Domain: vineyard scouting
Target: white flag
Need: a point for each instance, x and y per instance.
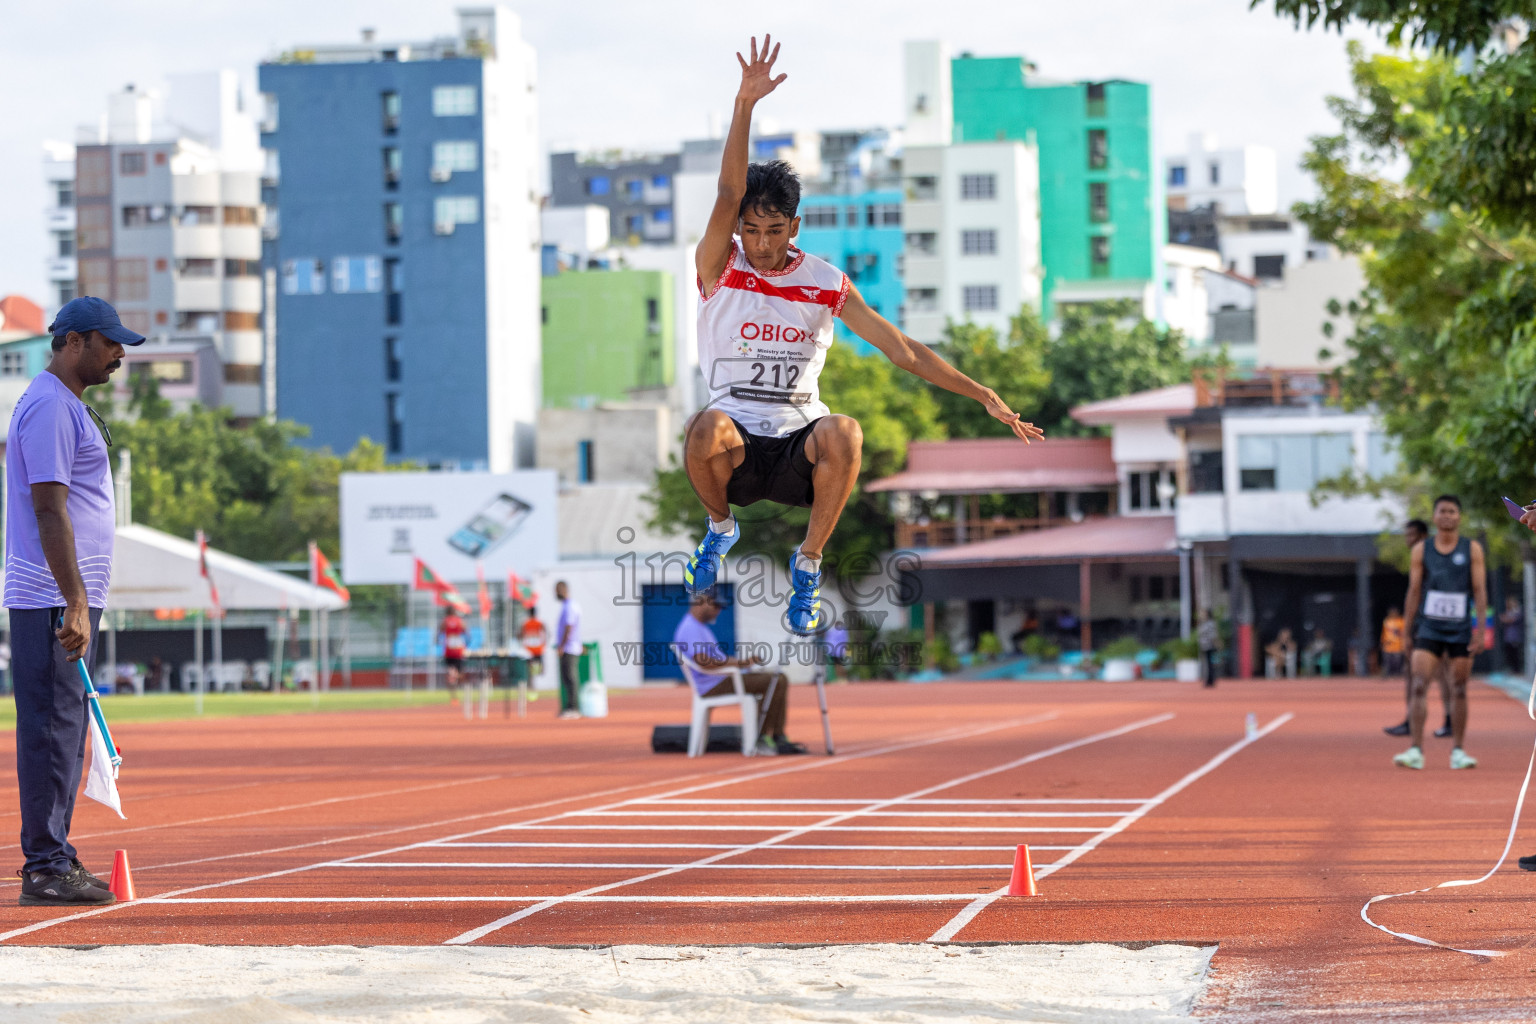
(101, 782)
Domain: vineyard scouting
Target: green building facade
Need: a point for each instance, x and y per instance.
(1099, 196)
(607, 333)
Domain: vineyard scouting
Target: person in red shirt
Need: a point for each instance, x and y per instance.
(453, 634)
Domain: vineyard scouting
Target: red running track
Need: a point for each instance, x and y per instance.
(1152, 817)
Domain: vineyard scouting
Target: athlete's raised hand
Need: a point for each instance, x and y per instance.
(1022, 429)
(757, 78)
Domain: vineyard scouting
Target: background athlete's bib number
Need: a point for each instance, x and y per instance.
(1439, 604)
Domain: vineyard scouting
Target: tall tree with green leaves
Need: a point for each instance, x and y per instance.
(1105, 350)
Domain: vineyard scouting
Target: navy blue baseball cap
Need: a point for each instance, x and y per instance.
(88, 313)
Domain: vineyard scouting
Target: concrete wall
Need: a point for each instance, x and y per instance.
(629, 442)
(1288, 321)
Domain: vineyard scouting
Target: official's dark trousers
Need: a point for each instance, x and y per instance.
(570, 668)
(51, 728)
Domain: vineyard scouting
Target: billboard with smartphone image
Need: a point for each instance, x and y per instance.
(505, 521)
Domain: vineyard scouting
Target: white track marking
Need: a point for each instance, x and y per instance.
(967, 915)
(715, 846)
(645, 802)
(735, 776)
(894, 898)
(1009, 829)
(701, 867)
(487, 929)
(713, 815)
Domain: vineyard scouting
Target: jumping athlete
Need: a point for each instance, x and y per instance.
(1447, 570)
(765, 324)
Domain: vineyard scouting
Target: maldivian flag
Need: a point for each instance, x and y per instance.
(521, 590)
(445, 594)
(202, 566)
(482, 592)
(323, 574)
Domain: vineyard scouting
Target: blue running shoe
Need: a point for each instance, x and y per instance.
(804, 615)
(702, 569)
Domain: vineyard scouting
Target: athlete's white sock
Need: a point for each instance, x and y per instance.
(804, 564)
(726, 526)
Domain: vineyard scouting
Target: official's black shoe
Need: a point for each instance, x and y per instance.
(1444, 730)
(787, 746)
(1528, 863)
(1400, 729)
(77, 867)
(39, 888)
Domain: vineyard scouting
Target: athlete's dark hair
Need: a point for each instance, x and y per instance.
(1450, 498)
(773, 187)
(1418, 524)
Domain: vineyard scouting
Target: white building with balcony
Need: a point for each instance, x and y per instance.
(157, 208)
(972, 221)
(1234, 180)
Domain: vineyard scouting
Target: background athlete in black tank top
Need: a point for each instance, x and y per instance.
(1447, 575)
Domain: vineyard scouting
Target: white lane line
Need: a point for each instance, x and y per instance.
(655, 864)
(818, 898)
(717, 846)
(487, 929)
(734, 776)
(1009, 829)
(715, 815)
(645, 801)
(967, 915)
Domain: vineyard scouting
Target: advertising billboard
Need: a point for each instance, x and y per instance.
(506, 521)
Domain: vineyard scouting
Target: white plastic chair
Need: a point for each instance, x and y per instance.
(698, 731)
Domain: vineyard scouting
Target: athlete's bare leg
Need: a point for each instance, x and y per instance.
(835, 450)
(712, 449)
(1461, 670)
(1424, 667)
(1447, 702)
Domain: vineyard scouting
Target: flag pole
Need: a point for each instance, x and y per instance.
(197, 656)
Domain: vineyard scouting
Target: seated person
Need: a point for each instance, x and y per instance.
(697, 642)
(1320, 648)
(1392, 642)
(1282, 654)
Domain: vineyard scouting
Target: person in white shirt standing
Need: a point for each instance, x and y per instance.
(765, 324)
(568, 645)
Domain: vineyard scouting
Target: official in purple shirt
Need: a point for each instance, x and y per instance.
(59, 527)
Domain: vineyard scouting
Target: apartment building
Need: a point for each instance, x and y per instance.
(404, 176)
(1233, 180)
(158, 209)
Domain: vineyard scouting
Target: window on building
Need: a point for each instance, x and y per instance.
(393, 164)
(143, 216)
(1270, 267)
(456, 210)
(304, 276)
(662, 215)
(394, 279)
(1176, 175)
(197, 321)
(922, 300)
(456, 155)
(818, 217)
(247, 216)
(390, 108)
(652, 314)
(197, 267)
(1334, 455)
(1098, 201)
(1205, 473)
(394, 418)
(392, 359)
(1215, 168)
(67, 292)
(979, 298)
(1291, 462)
(235, 321)
(660, 181)
(64, 193)
(1098, 149)
(394, 221)
(978, 186)
(132, 163)
(13, 364)
(634, 224)
(1098, 253)
(1097, 100)
(356, 274)
(634, 188)
(242, 268)
(598, 185)
(923, 243)
(851, 216)
(1381, 456)
(64, 243)
(131, 280)
(198, 216)
(95, 276)
(584, 467)
(453, 100)
(978, 242)
(923, 188)
(164, 371)
(93, 172)
(882, 215)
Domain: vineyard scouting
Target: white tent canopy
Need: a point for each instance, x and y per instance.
(151, 569)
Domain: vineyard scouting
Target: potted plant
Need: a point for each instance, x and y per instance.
(1184, 654)
(988, 647)
(1119, 658)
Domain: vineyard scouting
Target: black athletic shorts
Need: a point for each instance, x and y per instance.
(774, 469)
(453, 661)
(1443, 648)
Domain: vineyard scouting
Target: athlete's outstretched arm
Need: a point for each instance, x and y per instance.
(915, 357)
(757, 81)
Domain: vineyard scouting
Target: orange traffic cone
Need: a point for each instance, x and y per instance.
(1023, 881)
(121, 882)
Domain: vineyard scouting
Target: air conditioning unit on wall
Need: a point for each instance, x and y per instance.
(441, 174)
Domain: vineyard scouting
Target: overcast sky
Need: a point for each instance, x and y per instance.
(646, 75)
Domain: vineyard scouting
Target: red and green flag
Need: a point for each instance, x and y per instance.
(323, 574)
(444, 593)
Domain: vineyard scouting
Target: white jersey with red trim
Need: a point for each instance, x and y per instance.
(763, 339)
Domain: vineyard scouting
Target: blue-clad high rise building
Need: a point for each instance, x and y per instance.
(403, 242)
